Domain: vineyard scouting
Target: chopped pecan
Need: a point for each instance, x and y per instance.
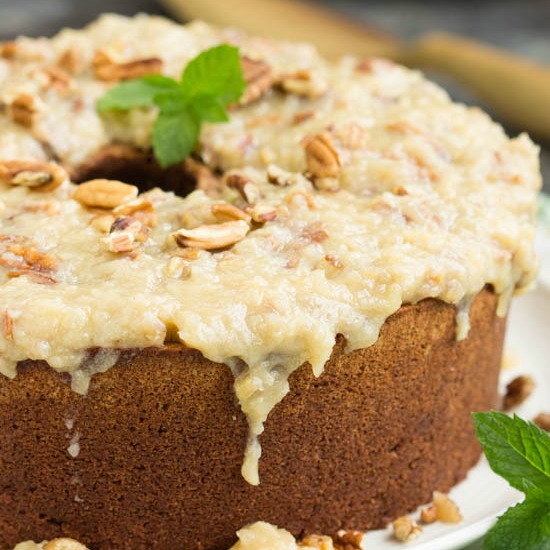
(54, 78)
(8, 50)
(278, 176)
(248, 190)
(298, 118)
(542, 420)
(405, 529)
(102, 193)
(72, 60)
(22, 110)
(446, 509)
(314, 233)
(304, 83)
(316, 542)
(322, 157)
(299, 195)
(259, 78)
(140, 208)
(40, 176)
(125, 231)
(348, 540)
(20, 257)
(262, 212)
(224, 212)
(211, 237)
(517, 391)
(178, 268)
(107, 69)
(102, 222)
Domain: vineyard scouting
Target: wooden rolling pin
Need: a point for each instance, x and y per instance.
(516, 90)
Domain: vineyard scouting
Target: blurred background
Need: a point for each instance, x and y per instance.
(521, 27)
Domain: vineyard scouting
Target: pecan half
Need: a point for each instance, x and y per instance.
(22, 110)
(322, 157)
(107, 69)
(40, 176)
(259, 78)
(542, 420)
(517, 391)
(102, 193)
(211, 237)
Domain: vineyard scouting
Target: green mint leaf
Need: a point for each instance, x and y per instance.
(516, 450)
(140, 92)
(175, 135)
(215, 72)
(526, 526)
(209, 109)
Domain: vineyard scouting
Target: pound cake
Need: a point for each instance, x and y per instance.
(293, 325)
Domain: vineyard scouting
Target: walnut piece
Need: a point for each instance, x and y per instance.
(446, 509)
(259, 78)
(322, 157)
(428, 514)
(316, 542)
(40, 176)
(211, 237)
(102, 193)
(348, 540)
(406, 529)
(107, 69)
(517, 391)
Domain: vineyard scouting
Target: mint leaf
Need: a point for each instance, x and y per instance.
(140, 92)
(526, 526)
(174, 136)
(215, 72)
(209, 83)
(516, 450)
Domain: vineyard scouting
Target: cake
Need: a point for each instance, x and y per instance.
(294, 329)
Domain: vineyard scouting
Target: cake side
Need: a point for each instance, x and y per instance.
(160, 439)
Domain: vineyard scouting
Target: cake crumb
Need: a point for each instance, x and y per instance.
(542, 420)
(406, 529)
(517, 391)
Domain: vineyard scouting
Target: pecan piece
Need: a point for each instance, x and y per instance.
(211, 237)
(517, 391)
(248, 190)
(262, 212)
(125, 231)
(259, 78)
(7, 325)
(542, 420)
(322, 157)
(224, 212)
(103, 193)
(304, 83)
(140, 208)
(41, 176)
(22, 110)
(107, 69)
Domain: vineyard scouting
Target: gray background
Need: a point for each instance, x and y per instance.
(521, 26)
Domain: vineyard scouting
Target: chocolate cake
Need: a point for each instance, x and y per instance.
(294, 330)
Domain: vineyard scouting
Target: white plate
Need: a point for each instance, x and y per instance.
(483, 495)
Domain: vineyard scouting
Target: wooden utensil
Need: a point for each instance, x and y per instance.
(516, 90)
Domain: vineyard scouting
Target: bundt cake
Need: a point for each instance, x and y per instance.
(292, 325)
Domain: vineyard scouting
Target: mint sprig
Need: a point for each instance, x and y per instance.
(208, 84)
(518, 451)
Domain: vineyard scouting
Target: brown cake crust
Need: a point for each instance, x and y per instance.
(162, 438)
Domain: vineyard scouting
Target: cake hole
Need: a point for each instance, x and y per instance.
(138, 167)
